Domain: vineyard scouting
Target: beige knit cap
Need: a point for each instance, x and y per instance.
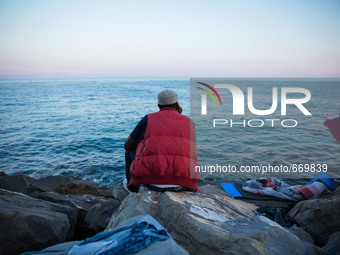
(167, 97)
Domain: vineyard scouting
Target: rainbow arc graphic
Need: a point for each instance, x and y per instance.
(204, 97)
(209, 93)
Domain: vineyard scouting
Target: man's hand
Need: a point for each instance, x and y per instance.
(130, 144)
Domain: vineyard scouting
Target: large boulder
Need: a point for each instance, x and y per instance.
(210, 222)
(28, 223)
(68, 185)
(99, 215)
(94, 212)
(302, 234)
(17, 183)
(332, 246)
(119, 193)
(319, 217)
(59, 184)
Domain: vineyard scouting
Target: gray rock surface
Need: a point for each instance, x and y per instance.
(99, 215)
(319, 217)
(92, 211)
(86, 206)
(31, 224)
(166, 247)
(119, 192)
(332, 246)
(209, 223)
(17, 183)
(206, 222)
(302, 234)
(83, 202)
(59, 184)
(58, 249)
(68, 185)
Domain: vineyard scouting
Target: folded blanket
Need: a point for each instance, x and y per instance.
(311, 190)
(279, 189)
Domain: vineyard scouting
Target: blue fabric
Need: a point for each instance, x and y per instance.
(326, 178)
(124, 240)
(231, 189)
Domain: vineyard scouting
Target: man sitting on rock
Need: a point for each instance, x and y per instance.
(161, 150)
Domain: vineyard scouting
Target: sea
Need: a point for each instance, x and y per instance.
(78, 126)
(75, 127)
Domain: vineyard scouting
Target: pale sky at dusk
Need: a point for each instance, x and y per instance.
(249, 38)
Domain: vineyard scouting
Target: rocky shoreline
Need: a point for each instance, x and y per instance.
(38, 213)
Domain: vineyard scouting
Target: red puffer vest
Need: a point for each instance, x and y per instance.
(168, 151)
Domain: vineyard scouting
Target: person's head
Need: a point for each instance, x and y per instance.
(168, 98)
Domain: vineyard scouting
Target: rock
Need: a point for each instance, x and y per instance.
(53, 197)
(332, 246)
(300, 233)
(213, 205)
(62, 248)
(68, 185)
(99, 215)
(119, 192)
(83, 202)
(213, 189)
(16, 183)
(319, 217)
(28, 223)
(208, 223)
(59, 184)
(166, 247)
(93, 211)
